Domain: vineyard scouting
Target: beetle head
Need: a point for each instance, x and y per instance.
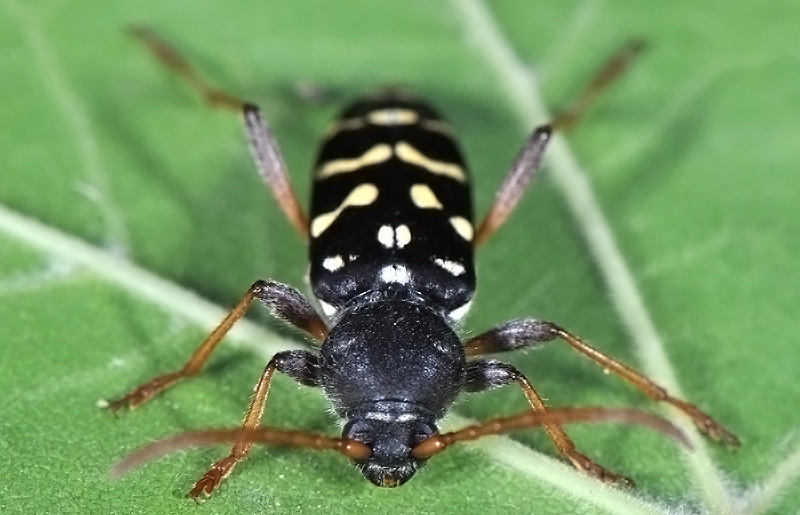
(391, 437)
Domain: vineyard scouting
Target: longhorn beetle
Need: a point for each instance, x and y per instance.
(391, 264)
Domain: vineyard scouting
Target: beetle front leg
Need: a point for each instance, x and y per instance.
(303, 367)
(486, 374)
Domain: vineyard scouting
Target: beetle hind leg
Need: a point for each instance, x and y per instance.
(264, 147)
(528, 163)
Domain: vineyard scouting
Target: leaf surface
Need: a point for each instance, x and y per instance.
(143, 195)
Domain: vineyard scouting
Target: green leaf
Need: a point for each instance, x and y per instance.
(122, 194)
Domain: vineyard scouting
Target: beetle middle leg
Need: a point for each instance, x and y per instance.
(529, 332)
(283, 301)
(485, 374)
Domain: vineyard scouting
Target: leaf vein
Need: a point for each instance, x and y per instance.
(71, 108)
(174, 299)
(767, 493)
(524, 93)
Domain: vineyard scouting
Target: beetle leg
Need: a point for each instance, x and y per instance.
(529, 332)
(263, 145)
(486, 374)
(284, 301)
(528, 162)
(301, 366)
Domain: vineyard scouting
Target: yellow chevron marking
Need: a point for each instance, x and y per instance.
(462, 227)
(362, 195)
(411, 155)
(375, 155)
(424, 197)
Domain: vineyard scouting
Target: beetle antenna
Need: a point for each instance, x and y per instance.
(562, 416)
(353, 449)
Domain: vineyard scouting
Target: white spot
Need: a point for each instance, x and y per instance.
(395, 274)
(388, 417)
(333, 263)
(393, 116)
(459, 313)
(402, 235)
(352, 257)
(375, 155)
(453, 267)
(424, 198)
(411, 155)
(398, 237)
(328, 309)
(462, 227)
(379, 415)
(362, 195)
(386, 236)
(407, 417)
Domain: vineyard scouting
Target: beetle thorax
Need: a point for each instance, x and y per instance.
(392, 350)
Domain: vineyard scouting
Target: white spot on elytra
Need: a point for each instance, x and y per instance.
(395, 274)
(453, 267)
(386, 236)
(333, 263)
(399, 236)
(402, 235)
(459, 313)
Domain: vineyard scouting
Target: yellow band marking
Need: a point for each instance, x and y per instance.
(362, 195)
(349, 124)
(437, 126)
(393, 116)
(462, 227)
(424, 198)
(377, 154)
(389, 116)
(413, 156)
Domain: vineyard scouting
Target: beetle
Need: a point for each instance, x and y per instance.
(391, 250)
